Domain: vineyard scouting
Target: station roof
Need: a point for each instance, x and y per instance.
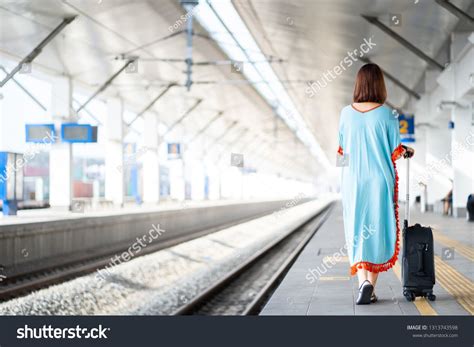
(310, 37)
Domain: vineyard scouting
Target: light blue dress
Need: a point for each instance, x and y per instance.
(370, 144)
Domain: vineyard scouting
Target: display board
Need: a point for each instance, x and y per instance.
(78, 133)
(40, 133)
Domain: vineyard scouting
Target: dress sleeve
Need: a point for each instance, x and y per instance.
(394, 139)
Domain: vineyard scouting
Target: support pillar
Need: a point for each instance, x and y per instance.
(151, 167)
(114, 162)
(463, 158)
(60, 155)
(438, 165)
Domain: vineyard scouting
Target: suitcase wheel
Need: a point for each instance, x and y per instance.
(431, 296)
(410, 296)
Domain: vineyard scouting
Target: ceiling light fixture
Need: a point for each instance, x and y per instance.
(226, 27)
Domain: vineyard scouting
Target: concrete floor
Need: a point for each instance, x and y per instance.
(333, 292)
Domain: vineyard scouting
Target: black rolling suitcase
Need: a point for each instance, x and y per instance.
(418, 270)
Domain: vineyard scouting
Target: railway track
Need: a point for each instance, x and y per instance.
(19, 285)
(244, 290)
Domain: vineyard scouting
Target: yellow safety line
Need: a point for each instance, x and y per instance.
(456, 284)
(459, 247)
(459, 286)
(421, 304)
(452, 280)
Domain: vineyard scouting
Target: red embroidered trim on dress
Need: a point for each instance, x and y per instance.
(397, 153)
(389, 264)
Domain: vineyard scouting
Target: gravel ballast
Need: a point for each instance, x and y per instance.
(158, 283)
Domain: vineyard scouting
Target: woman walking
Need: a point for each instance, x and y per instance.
(369, 145)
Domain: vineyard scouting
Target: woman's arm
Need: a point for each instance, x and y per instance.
(402, 151)
(398, 152)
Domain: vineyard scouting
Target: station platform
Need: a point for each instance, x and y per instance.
(311, 288)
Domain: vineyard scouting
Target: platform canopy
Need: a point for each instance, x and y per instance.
(298, 41)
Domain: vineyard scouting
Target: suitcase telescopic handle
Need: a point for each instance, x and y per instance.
(407, 204)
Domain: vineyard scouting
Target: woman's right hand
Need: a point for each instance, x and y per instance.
(408, 152)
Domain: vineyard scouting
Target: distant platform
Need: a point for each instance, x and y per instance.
(333, 291)
(83, 211)
(52, 237)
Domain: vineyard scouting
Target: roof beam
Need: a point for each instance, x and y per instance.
(38, 49)
(183, 117)
(88, 112)
(27, 92)
(105, 85)
(396, 81)
(123, 55)
(403, 42)
(203, 129)
(455, 10)
(221, 136)
(398, 109)
(250, 143)
(150, 105)
(230, 145)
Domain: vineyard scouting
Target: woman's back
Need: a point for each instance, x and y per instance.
(367, 139)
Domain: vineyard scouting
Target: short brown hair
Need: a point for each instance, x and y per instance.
(370, 85)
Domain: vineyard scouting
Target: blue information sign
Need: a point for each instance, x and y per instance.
(407, 127)
(82, 133)
(40, 133)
